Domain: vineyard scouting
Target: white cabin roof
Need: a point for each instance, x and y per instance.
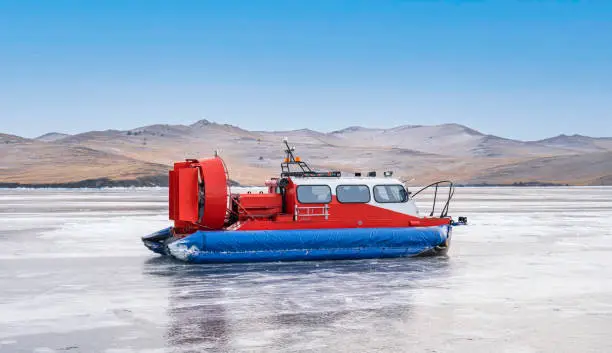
(335, 181)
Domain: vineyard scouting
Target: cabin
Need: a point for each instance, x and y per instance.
(336, 202)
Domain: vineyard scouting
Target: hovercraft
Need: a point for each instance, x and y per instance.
(304, 215)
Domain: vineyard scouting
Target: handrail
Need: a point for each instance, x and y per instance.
(451, 192)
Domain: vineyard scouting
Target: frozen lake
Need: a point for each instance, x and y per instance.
(531, 273)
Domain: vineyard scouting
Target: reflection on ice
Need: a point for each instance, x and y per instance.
(291, 305)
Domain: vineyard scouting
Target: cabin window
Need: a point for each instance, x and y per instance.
(390, 194)
(353, 193)
(314, 194)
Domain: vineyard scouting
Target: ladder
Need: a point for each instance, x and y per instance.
(310, 211)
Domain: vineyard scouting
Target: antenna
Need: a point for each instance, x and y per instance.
(289, 158)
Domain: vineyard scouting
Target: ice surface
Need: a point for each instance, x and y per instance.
(531, 273)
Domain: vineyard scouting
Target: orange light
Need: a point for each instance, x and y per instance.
(286, 160)
(298, 159)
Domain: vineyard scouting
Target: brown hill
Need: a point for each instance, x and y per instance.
(418, 153)
(34, 162)
(51, 136)
(578, 143)
(580, 169)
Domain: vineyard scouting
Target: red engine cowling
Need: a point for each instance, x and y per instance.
(198, 195)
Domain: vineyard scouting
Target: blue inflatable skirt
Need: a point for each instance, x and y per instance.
(301, 245)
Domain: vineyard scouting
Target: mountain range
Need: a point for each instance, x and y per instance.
(417, 153)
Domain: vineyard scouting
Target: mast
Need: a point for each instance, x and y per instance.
(304, 169)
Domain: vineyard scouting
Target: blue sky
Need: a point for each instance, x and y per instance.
(518, 69)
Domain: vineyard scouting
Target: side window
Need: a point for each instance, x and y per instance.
(314, 194)
(390, 194)
(353, 193)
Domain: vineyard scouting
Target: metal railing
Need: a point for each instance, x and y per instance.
(436, 185)
(303, 211)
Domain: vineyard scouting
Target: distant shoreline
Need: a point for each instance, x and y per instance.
(515, 184)
(162, 181)
(148, 181)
